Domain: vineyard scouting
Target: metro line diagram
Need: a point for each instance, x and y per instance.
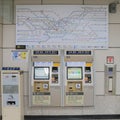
(61, 25)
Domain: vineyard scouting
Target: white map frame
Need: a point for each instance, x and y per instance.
(62, 26)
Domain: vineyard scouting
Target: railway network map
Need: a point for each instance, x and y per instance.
(62, 26)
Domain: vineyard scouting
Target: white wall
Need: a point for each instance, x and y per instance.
(102, 104)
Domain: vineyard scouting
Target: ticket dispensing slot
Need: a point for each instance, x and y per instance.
(88, 78)
(41, 86)
(88, 73)
(54, 75)
(110, 79)
(110, 87)
(11, 100)
(75, 86)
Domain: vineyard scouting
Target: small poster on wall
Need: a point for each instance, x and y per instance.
(19, 55)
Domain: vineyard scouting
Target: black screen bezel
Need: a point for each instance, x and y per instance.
(75, 78)
(42, 78)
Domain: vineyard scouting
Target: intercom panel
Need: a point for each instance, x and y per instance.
(110, 79)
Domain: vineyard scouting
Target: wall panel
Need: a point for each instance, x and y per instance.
(26, 83)
(114, 35)
(9, 34)
(99, 83)
(118, 83)
(97, 2)
(1, 35)
(8, 11)
(27, 2)
(1, 5)
(64, 2)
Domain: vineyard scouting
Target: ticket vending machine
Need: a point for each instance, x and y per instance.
(45, 85)
(12, 94)
(78, 90)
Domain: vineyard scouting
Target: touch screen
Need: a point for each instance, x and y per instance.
(74, 73)
(41, 73)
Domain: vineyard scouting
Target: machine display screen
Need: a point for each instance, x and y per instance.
(41, 73)
(74, 73)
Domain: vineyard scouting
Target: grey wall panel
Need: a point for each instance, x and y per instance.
(88, 95)
(99, 83)
(55, 96)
